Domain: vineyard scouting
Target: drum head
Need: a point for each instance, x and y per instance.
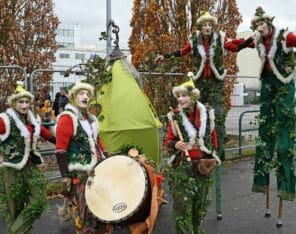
(117, 189)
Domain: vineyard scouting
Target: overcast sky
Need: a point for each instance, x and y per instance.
(91, 15)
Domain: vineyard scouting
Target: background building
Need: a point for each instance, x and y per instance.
(247, 87)
(70, 54)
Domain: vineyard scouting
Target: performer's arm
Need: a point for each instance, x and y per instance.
(64, 132)
(178, 53)
(102, 147)
(170, 140)
(174, 142)
(47, 135)
(52, 115)
(181, 52)
(235, 45)
(291, 40)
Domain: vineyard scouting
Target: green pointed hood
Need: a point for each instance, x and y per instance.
(127, 115)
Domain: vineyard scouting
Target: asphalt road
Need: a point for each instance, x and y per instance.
(243, 211)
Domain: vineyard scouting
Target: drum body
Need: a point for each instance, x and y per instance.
(119, 192)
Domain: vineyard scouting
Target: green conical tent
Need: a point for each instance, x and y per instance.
(127, 115)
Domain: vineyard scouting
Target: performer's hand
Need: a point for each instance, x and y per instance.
(202, 146)
(65, 190)
(180, 145)
(91, 173)
(228, 40)
(159, 58)
(201, 142)
(215, 155)
(66, 180)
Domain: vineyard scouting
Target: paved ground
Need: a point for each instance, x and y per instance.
(243, 211)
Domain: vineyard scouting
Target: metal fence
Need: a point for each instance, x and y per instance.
(240, 123)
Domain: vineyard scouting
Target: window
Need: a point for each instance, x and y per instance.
(79, 56)
(64, 56)
(66, 32)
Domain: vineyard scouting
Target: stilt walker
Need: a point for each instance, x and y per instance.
(208, 46)
(277, 111)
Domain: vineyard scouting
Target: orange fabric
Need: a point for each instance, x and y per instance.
(156, 200)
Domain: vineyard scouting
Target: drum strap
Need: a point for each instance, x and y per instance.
(148, 224)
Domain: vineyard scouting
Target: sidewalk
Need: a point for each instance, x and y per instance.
(243, 211)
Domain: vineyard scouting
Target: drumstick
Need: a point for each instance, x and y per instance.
(178, 130)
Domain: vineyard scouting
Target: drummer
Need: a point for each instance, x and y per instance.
(78, 150)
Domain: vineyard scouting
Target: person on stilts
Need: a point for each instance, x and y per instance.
(208, 46)
(277, 121)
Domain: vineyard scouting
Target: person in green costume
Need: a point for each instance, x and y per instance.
(277, 126)
(78, 151)
(22, 185)
(188, 182)
(208, 46)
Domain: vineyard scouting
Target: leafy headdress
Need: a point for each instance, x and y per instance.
(261, 16)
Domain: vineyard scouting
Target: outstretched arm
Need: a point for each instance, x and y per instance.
(235, 45)
(178, 53)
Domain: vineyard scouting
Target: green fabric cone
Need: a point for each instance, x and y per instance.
(127, 115)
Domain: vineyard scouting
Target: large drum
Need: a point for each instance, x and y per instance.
(119, 192)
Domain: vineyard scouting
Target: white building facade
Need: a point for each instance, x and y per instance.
(71, 54)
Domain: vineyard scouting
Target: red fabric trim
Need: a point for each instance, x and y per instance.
(214, 139)
(207, 72)
(197, 118)
(2, 126)
(291, 40)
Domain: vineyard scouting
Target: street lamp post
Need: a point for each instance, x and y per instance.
(108, 28)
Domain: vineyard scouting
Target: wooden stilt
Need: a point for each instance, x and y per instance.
(280, 214)
(267, 212)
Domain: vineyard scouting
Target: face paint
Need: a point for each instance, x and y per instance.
(262, 28)
(207, 28)
(82, 99)
(22, 105)
(184, 100)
